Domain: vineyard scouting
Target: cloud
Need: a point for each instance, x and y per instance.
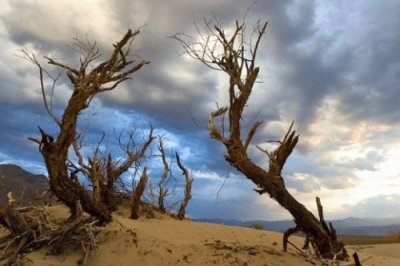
(333, 68)
(252, 207)
(49, 24)
(376, 206)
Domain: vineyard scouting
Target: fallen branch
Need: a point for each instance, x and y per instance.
(31, 228)
(356, 259)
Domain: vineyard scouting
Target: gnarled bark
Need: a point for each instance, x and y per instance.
(87, 82)
(137, 195)
(30, 228)
(236, 57)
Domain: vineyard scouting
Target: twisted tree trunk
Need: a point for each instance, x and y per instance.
(87, 82)
(236, 57)
(68, 191)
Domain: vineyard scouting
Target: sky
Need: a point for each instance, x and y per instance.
(331, 66)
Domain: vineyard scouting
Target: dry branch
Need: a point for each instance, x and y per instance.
(251, 133)
(87, 81)
(137, 195)
(214, 132)
(232, 54)
(42, 75)
(31, 228)
(162, 191)
(114, 170)
(188, 189)
(356, 259)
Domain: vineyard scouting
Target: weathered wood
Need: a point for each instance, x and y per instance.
(286, 236)
(188, 189)
(29, 229)
(321, 215)
(236, 57)
(356, 259)
(137, 195)
(87, 82)
(96, 176)
(162, 191)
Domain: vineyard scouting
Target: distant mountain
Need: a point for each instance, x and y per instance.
(348, 226)
(21, 183)
(354, 222)
(231, 222)
(279, 226)
(373, 230)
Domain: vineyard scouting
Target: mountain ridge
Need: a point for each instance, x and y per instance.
(14, 178)
(24, 185)
(346, 226)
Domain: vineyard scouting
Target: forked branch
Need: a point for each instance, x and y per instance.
(277, 158)
(87, 81)
(234, 56)
(48, 103)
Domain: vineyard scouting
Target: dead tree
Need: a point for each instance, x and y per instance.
(114, 170)
(137, 195)
(162, 191)
(235, 56)
(104, 173)
(87, 81)
(188, 189)
(95, 176)
(30, 228)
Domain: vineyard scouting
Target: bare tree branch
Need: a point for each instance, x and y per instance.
(188, 189)
(87, 82)
(214, 133)
(251, 133)
(137, 195)
(231, 54)
(162, 191)
(48, 105)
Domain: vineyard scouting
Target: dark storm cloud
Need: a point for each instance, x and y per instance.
(371, 89)
(291, 46)
(182, 89)
(18, 123)
(360, 64)
(312, 52)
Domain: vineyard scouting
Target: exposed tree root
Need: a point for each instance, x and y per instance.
(31, 228)
(340, 251)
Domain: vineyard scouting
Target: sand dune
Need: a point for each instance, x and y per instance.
(165, 241)
(382, 254)
(171, 242)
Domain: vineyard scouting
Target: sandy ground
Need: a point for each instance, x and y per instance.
(166, 241)
(171, 242)
(382, 254)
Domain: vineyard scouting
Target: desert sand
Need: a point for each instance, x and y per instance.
(381, 254)
(166, 241)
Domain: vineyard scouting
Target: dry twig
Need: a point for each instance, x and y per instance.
(31, 228)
